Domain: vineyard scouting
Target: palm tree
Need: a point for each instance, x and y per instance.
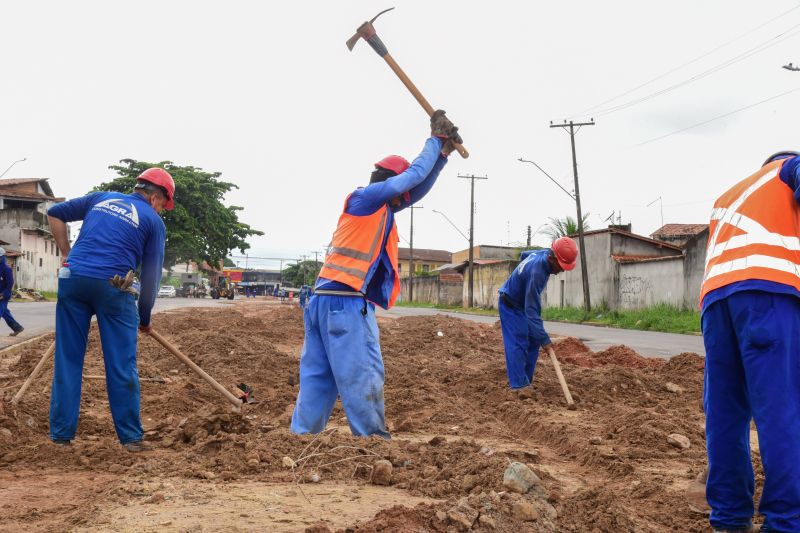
(562, 227)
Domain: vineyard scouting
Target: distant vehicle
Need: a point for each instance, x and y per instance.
(167, 291)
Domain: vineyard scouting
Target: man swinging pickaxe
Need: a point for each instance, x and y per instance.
(367, 32)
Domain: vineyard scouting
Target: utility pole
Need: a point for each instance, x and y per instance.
(303, 266)
(529, 236)
(587, 303)
(411, 256)
(471, 288)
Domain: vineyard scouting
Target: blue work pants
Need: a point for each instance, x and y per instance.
(6, 315)
(341, 357)
(752, 341)
(522, 350)
(78, 299)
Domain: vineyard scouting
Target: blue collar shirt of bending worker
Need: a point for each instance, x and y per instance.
(521, 323)
(399, 192)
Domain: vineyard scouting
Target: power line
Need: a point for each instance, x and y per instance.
(686, 64)
(654, 139)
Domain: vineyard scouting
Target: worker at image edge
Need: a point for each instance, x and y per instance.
(750, 301)
(520, 307)
(341, 353)
(119, 233)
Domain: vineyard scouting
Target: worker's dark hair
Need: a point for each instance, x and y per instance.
(149, 188)
(381, 174)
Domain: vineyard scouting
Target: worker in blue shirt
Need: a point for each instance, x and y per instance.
(520, 307)
(341, 354)
(303, 296)
(750, 315)
(6, 284)
(120, 232)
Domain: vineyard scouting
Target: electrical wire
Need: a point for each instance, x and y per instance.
(744, 55)
(686, 64)
(654, 139)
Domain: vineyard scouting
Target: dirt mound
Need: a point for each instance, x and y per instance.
(455, 423)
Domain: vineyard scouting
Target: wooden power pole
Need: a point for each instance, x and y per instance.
(471, 287)
(411, 256)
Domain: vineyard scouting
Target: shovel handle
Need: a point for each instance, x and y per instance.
(36, 370)
(561, 379)
(418, 95)
(236, 402)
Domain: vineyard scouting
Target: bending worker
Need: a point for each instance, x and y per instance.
(341, 354)
(750, 301)
(520, 307)
(119, 233)
(6, 284)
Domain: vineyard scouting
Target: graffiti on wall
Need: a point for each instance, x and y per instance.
(633, 290)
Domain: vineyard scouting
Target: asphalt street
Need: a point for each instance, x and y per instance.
(649, 343)
(39, 317)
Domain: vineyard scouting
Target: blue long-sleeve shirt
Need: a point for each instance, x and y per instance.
(790, 175)
(524, 290)
(120, 232)
(6, 279)
(417, 181)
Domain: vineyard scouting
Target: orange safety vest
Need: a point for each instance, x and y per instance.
(356, 245)
(754, 233)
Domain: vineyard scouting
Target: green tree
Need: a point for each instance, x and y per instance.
(201, 227)
(302, 273)
(562, 227)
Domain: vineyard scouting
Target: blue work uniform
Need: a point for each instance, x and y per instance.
(520, 309)
(751, 331)
(6, 284)
(120, 232)
(341, 353)
(303, 296)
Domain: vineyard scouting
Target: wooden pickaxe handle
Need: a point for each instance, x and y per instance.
(561, 380)
(418, 95)
(36, 370)
(237, 403)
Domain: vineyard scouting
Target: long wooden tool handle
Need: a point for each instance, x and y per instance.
(237, 403)
(418, 95)
(561, 379)
(36, 370)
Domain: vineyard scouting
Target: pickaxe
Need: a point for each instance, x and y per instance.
(367, 32)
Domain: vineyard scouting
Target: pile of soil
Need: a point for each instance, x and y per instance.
(455, 423)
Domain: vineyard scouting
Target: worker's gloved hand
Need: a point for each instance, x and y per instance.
(447, 147)
(124, 284)
(442, 127)
(146, 329)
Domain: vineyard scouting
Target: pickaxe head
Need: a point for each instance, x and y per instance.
(367, 32)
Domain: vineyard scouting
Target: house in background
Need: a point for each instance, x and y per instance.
(24, 226)
(486, 251)
(678, 234)
(425, 260)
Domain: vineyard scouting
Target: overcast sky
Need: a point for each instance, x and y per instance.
(268, 94)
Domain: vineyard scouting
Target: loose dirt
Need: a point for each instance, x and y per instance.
(456, 426)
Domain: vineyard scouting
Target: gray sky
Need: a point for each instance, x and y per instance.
(268, 94)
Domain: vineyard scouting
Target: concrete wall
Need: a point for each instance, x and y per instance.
(37, 267)
(486, 252)
(488, 280)
(433, 290)
(602, 277)
(694, 269)
(647, 283)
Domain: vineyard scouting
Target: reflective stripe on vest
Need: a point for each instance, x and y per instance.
(756, 235)
(351, 254)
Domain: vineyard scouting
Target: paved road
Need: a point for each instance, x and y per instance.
(40, 317)
(649, 343)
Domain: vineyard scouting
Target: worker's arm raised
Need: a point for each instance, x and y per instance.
(790, 175)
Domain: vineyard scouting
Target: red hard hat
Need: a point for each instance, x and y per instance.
(160, 177)
(566, 252)
(395, 163)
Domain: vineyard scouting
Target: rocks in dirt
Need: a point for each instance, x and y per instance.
(83, 460)
(318, 528)
(6, 434)
(595, 440)
(155, 498)
(116, 468)
(463, 515)
(406, 424)
(437, 440)
(381, 472)
(673, 388)
(679, 441)
(519, 478)
(469, 482)
(525, 511)
(288, 462)
(487, 521)
(208, 475)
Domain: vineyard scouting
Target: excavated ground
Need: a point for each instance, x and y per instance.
(607, 466)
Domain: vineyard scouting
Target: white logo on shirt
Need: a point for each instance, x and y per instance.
(121, 209)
